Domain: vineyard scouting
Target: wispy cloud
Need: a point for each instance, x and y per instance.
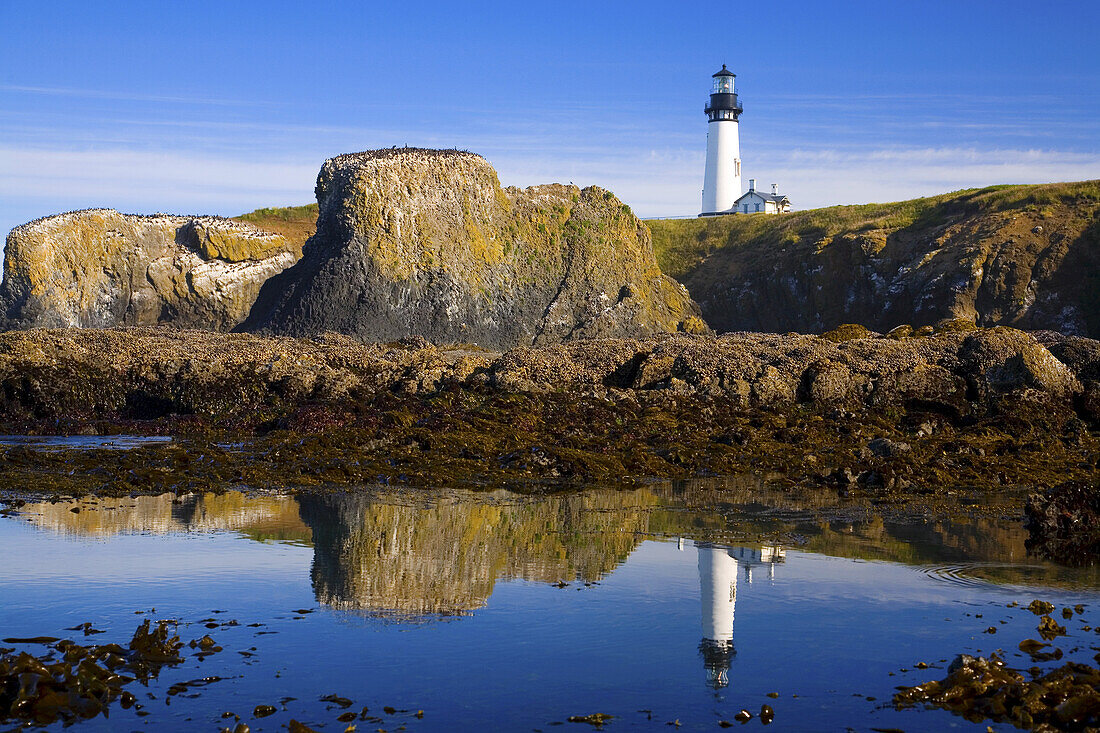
(148, 181)
(181, 98)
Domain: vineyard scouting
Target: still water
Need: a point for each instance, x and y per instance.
(493, 610)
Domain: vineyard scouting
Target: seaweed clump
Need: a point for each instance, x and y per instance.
(977, 688)
(74, 682)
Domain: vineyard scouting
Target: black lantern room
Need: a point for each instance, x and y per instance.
(723, 103)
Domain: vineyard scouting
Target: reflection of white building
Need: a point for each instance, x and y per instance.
(718, 567)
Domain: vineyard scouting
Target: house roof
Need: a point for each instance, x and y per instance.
(775, 197)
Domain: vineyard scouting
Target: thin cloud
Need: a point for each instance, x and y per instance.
(131, 97)
(653, 181)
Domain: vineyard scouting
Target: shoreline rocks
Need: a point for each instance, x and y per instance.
(918, 419)
(956, 374)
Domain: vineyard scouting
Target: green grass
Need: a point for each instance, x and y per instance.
(296, 223)
(282, 213)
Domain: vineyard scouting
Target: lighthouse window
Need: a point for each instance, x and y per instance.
(723, 85)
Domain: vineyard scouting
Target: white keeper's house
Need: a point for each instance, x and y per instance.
(722, 177)
(758, 202)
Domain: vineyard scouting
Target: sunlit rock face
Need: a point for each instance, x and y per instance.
(428, 243)
(377, 554)
(99, 268)
(260, 517)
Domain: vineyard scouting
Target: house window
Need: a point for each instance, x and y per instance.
(758, 207)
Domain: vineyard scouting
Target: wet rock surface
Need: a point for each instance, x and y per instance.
(876, 416)
(1064, 522)
(74, 682)
(984, 688)
(427, 242)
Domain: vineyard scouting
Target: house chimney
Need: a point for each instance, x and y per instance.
(752, 184)
(775, 189)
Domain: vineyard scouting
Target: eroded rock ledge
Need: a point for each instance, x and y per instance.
(98, 268)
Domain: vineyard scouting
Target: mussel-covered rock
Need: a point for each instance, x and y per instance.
(1064, 523)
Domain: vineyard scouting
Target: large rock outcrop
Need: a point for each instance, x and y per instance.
(1021, 256)
(98, 268)
(426, 242)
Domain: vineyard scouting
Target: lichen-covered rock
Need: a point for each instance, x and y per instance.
(99, 268)
(426, 242)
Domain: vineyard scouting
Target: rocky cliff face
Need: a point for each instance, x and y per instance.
(426, 242)
(1024, 256)
(99, 268)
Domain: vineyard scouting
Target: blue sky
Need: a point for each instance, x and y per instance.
(222, 107)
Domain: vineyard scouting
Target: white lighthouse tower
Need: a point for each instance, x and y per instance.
(722, 182)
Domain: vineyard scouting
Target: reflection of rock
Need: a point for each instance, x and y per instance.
(1064, 523)
(445, 558)
(261, 517)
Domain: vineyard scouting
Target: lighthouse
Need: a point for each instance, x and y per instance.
(722, 181)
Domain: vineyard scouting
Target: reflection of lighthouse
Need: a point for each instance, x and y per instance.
(718, 594)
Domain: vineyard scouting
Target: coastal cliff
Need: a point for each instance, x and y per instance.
(1021, 256)
(98, 268)
(427, 243)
